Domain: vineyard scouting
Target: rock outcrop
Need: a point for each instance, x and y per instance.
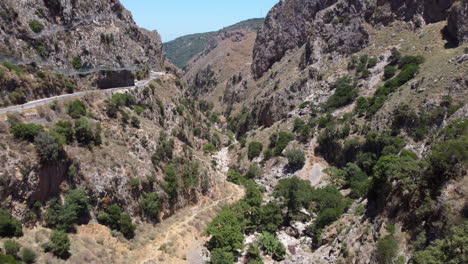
(458, 22)
(339, 25)
(71, 36)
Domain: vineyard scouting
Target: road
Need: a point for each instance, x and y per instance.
(33, 104)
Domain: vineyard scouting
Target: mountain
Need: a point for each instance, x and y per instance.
(337, 133)
(184, 48)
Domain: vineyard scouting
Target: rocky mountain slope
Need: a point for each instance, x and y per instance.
(71, 36)
(183, 49)
(338, 94)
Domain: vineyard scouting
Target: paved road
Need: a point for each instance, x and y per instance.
(33, 104)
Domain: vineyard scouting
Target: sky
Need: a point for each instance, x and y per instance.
(175, 18)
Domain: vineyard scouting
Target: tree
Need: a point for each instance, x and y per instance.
(226, 232)
(48, 148)
(150, 205)
(84, 132)
(254, 150)
(65, 128)
(295, 194)
(9, 225)
(65, 216)
(296, 159)
(28, 256)
(279, 141)
(345, 93)
(59, 244)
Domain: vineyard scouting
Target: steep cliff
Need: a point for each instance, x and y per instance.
(76, 36)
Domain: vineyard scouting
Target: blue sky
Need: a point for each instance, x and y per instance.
(175, 18)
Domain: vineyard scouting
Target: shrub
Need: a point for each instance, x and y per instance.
(111, 217)
(219, 256)
(372, 63)
(394, 59)
(253, 172)
(9, 225)
(272, 246)
(76, 109)
(226, 232)
(134, 184)
(389, 72)
(345, 93)
(234, 177)
(127, 228)
(36, 26)
(255, 148)
(28, 256)
(69, 87)
(48, 148)
(65, 216)
(138, 109)
(387, 249)
(164, 151)
(172, 183)
(407, 60)
(26, 131)
(253, 253)
(11, 247)
(65, 129)
(296, 159)
(135, 122)
(267, 154)
(209, 148)
(84, 133)
(40, 74)
(150, 206)
(59, 244)
(280, 141)
(77, 63)
(12, 67)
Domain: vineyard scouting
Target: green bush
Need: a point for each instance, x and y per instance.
(279, 141)
(111, 217)
(59, 244)
(138, 109)
(219, 256)
(165, 149)
(135, 122)
(65, 216)
(254, 150)
(150, 206)
(26, 131)
(395, 58)
(28, 256)
(172, 183)
(345, 93)
(9, 225)
(389, 72)
(77, 63)
(69, 87)
(40, 74)
(127, 228)
(48, 148)
(65, 129)
(226, 232)
(253, 254)
(12, 67)
(387, 249)
(407, 60)
(267, 154)
(76, 109)
(372, 62)
(295, 194)
(209, 148)
(85, 135)
(11, 247)
(234, 177)
(134, 184)
(296, 159)
(254, 171)
(272, 246)
(36, 26)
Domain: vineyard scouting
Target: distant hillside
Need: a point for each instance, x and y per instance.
(182, 49)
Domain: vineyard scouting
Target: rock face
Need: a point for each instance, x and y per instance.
(458, 22)
(75, 36)
(339, 24)
(287, 26)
